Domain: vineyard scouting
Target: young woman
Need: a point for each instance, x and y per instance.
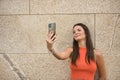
(84, 58)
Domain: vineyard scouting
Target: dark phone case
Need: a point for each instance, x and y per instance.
(52, 28)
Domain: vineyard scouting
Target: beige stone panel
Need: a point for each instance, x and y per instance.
(46, 66)
(27, 34)
(6, 72)
(112, 64)
(74, 6)
(42, 66)
(107, 33)
(115, 46)
(14, 35)
(14, 7)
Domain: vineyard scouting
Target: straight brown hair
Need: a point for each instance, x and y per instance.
(89, 46)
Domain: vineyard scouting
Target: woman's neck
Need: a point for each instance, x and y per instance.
(82, 43)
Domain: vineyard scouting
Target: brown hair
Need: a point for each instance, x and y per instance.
(89, 46)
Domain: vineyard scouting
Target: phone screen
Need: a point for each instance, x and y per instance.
(52, 27)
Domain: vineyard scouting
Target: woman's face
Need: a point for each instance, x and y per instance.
(78, 33)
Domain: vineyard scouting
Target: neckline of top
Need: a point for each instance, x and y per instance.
(82, 47)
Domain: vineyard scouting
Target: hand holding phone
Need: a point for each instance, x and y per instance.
(52, 28)
(51, 35)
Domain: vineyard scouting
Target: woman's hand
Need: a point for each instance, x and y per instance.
(51, 37)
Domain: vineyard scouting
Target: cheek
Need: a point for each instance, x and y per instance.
(83, 35)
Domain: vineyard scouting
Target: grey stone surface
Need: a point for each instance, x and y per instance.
(15, 69)
(112, 63)
(14, 7)
(41, 66)
(6, 72)
(115, 46)
(74, 6)
(107, 33)
(107, 40)
(27, 34)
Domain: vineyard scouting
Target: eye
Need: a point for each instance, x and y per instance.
(78, 29)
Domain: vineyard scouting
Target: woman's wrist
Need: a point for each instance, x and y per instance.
(52, 51)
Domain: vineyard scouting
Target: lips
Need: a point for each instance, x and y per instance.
(77, 36)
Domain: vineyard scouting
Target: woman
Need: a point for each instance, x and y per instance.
(84, 58)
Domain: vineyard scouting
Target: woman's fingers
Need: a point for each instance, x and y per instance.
(54, 37)
(50, 35)
(51, 38)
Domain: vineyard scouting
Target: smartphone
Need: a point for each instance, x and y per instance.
(52, 28)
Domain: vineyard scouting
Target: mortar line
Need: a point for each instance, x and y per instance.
(70, 13)
(56, 14)
(15, 69)
(95, 30)
(29, 7)
(26, 53)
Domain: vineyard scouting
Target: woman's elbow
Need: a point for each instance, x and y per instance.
(62, 58)
(103, 78)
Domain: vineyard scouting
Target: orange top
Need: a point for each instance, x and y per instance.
(83, 70)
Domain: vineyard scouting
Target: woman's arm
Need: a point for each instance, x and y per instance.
(100, 65)
(59, 55)
(62, 55)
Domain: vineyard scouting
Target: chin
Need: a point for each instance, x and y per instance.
(77, 39)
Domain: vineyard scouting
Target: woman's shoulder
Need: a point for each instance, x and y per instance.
(70, 48)
(98, 54)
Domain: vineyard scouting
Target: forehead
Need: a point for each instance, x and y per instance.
(77, 27)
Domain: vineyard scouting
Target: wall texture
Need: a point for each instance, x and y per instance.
(23, 30)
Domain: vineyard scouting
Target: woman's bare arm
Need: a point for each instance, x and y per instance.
(100, 65)
(62, 55)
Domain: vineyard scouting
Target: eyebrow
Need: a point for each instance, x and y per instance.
(77, 29)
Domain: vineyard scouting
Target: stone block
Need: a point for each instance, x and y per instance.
(27, 33)
(14, 7)
(6, 72)
(41, 66)
(74, 6)
(112, 67)
(108, 33)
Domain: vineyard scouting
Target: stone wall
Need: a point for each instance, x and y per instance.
(23, 30)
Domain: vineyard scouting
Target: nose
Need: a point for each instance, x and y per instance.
(76, 33)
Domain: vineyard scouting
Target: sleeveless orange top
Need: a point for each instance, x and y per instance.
(83, 70)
